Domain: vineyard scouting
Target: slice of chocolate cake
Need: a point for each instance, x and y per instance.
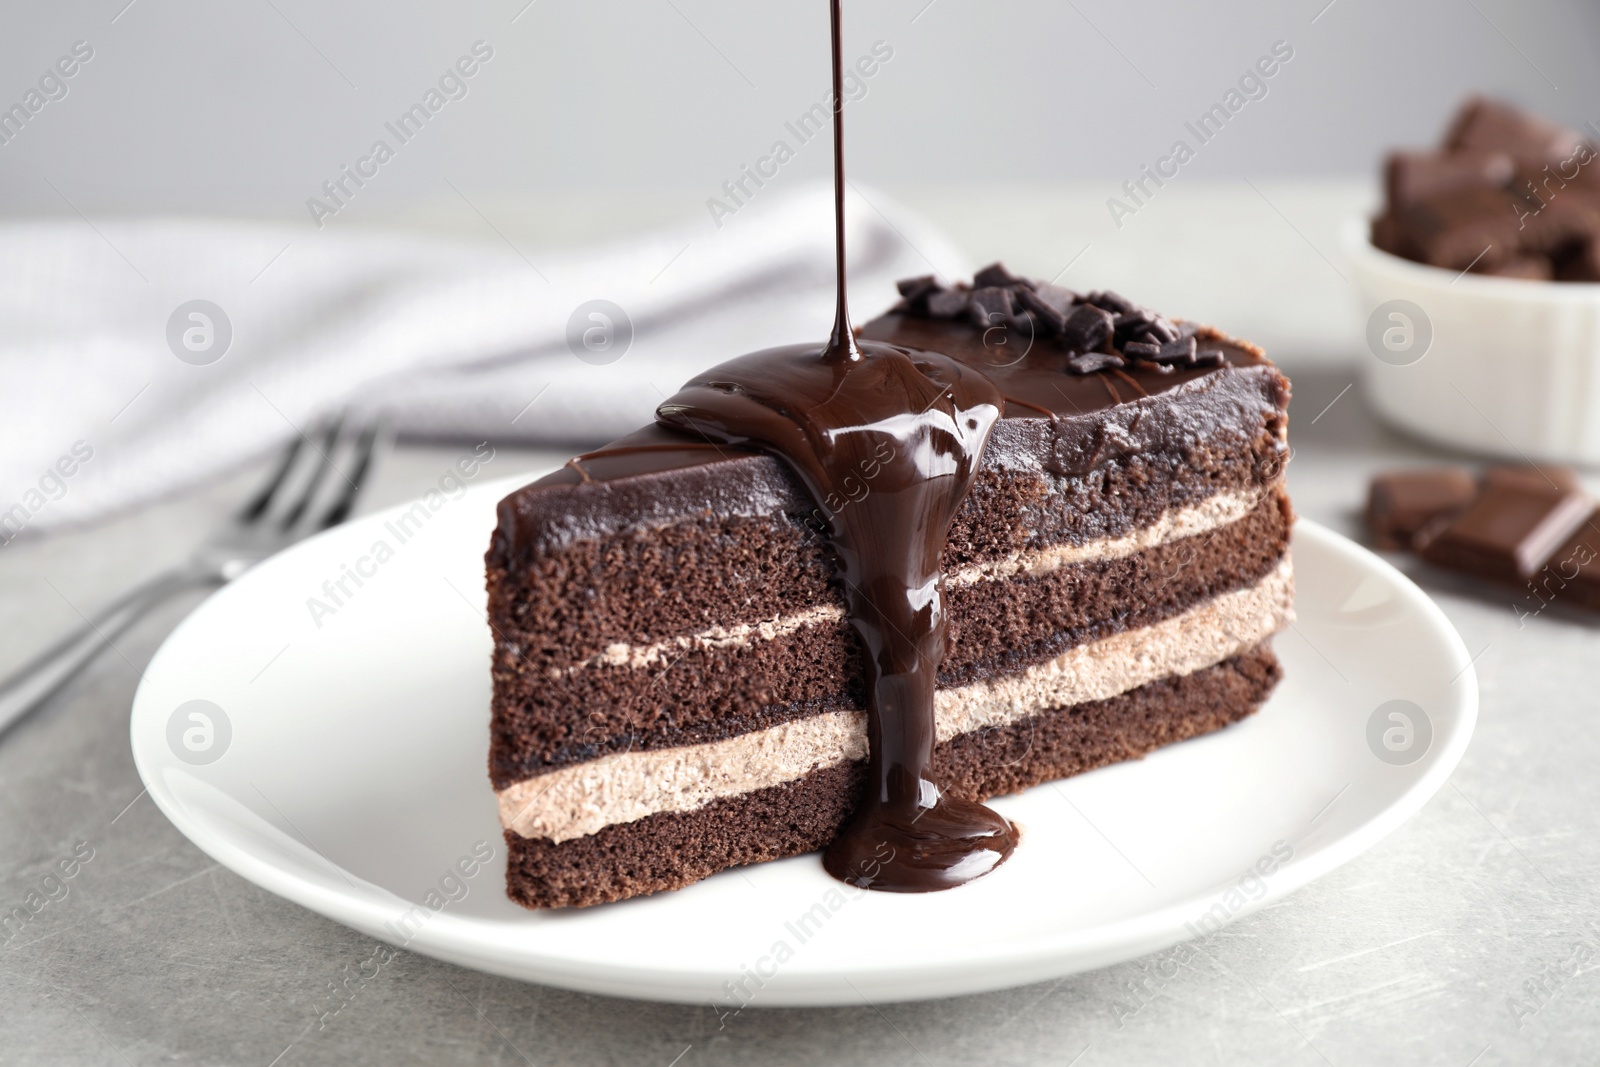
(677, 688)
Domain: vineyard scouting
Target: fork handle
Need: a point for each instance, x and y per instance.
(36, 680)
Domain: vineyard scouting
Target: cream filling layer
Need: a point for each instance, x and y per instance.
(1175, 524)
(623, 787)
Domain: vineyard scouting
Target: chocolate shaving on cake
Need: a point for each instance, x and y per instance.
(1101, 323)
(1087, 329)
(915, 292)
(1178, 351)
(1046, 311)
(947, 304)
(1131, 325)
(1163, 329)
(1111, 301)
(995, 275)
(1057, 296)
(990, 306)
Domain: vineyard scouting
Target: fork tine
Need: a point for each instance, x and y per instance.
(257, 505)
(366, 447)
(330, 438)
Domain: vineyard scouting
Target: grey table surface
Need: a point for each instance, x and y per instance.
(1452, 942)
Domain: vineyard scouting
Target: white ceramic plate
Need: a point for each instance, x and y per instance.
(347, 773)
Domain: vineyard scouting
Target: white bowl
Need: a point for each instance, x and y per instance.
(1490, 365)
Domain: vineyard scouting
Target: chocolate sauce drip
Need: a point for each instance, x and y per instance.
(842, 342)
(887, 439)
(888, 444)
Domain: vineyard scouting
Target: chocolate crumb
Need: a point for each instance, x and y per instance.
(1402, 502)
(1540, 477)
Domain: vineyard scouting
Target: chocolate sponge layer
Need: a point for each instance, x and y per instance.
(694, 695)
(637, 557)
(669, 851)
(645, 555)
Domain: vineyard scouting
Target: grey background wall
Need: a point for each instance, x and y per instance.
(248, 106)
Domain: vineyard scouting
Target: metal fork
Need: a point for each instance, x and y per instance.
(290, 505)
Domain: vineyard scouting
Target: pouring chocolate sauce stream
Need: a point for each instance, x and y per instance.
(894, 436)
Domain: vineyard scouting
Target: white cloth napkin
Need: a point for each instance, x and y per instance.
(455, 340)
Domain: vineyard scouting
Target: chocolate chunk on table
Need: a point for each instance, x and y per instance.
(1573, 570)
(1507, 533)
(1402, 502)
(1549, 476)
